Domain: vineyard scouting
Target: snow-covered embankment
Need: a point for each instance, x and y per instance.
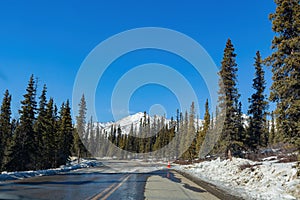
(248, 179)
(4, 176)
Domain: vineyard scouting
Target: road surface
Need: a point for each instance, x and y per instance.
(114, 180)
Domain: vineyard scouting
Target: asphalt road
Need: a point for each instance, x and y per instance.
(114, 180)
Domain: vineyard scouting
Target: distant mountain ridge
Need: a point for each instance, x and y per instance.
(125, 123)
(134, 119)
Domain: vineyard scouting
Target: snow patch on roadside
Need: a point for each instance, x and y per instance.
(142, 169)
(4, 176)
(255, 180)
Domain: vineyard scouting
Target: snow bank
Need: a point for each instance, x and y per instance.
(250, 180)
(4, 176)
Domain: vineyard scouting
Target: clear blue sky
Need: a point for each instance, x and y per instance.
(50, 39)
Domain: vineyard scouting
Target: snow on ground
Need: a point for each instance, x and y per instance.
(263, 180)
(142, 169)
(4, 176)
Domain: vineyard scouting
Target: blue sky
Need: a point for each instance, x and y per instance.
(50, 39)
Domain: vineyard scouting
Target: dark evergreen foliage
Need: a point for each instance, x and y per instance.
(5, 125)
(202, 133)
(22, 154)
(80, 133)
(41, 132)
(257, 108)
(39, 139)
(228, 99)
(65, 134)
(285, 62)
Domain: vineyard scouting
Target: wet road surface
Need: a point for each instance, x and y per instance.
(114, 180)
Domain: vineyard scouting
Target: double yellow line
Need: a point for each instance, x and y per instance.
(111, 189)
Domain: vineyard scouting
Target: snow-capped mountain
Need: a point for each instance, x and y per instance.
(134, 119)
(125, 123)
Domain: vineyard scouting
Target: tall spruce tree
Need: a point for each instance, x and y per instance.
(257, 107)
(49, 140)
(184, 136)
(206, 117)
(65, 134)
(22, 152)
(190, 137)
(228, 96)
(91, 137)
(5, 125)
(272, 134)
(80, 129)
(285, 62)
(203, 132)
(41, 131)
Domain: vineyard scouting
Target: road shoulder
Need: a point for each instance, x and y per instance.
(174, 186)
(221, 194)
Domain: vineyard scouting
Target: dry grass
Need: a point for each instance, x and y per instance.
(287, 158)
(245, 166)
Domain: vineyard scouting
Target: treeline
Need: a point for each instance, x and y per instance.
(41, 138)
(284, 125)
(156, 136)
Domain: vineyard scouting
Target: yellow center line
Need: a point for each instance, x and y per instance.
(103, 192)
(113, 187)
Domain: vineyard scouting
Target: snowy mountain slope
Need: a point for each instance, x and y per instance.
(134, 119)
(125, 123)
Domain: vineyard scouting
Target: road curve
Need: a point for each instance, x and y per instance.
(115, 180)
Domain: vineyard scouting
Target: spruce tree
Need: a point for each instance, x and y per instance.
(22, 151)
(191, 140)
(206, 117)
(171, 134)
(285, 62)
(203, 132)
(120, 142)
(257, 107)
(266, 128)
(131, 138)
(98, 140)
(184, 138)
(80, 129)
(228, 96)
(91, 137)
(272, 130)
(65, 134)
(239, 124)
(112, 137)
(49, 140)
(5, 125)
(41, 132)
